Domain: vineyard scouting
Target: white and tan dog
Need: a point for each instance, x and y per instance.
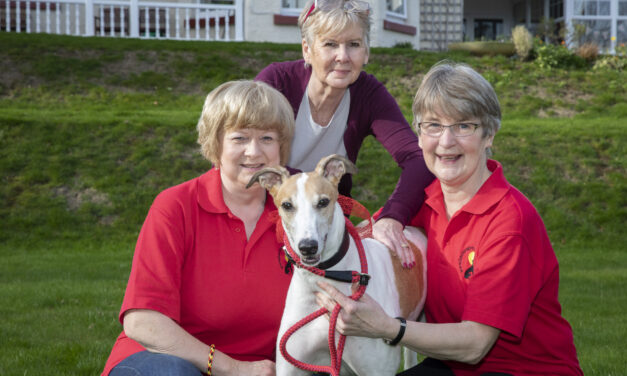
(315, 225)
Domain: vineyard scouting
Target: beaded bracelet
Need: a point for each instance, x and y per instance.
(212, 349)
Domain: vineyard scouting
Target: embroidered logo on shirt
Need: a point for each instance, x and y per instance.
(466, 262)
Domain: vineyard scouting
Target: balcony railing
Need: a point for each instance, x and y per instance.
(119, 18)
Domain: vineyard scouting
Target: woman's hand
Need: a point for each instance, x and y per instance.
(258, 368)
(160, 334)
(390, 232)
(363, 318)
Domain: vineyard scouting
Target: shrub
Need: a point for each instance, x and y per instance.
(487, 48)
(588, 51)
(523, 41)
(615, 62)
(403, 45)
(548, 29)
(549, 57)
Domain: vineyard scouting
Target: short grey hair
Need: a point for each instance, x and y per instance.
(457, 91)
(320, 23)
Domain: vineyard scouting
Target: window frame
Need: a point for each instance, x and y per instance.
(292, 11)
(389, 13)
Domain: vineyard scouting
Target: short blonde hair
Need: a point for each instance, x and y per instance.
(244, 104)
(333, 22)
(457, 91)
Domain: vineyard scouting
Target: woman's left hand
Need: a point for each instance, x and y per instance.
(390, 232)
(364, 318)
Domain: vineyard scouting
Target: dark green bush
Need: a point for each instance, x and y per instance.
(484, 48)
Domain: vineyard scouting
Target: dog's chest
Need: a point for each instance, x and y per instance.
(301, 298)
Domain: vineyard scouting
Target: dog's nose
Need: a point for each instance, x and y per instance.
(308, 247)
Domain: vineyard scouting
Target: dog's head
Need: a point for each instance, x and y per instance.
(307, 203)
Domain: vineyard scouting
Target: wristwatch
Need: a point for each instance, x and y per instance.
(400, 334)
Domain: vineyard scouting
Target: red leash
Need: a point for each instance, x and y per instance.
(335, 353)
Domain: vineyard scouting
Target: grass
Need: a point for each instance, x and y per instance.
(91, 129)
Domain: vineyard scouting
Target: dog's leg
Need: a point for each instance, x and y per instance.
(370, 357)
(309, 343)
(410, 358)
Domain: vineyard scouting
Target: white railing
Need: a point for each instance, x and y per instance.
(124, 18)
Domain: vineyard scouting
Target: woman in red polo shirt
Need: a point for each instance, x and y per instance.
(493, 277)
(207, 289)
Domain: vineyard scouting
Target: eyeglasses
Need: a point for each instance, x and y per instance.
(349, 6)
(436, 129)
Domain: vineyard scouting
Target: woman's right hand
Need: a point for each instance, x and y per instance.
(389, 231)
(257, 368)
(158, 333)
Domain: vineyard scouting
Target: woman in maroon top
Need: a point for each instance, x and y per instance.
(337, 104)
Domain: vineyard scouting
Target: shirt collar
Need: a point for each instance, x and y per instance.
(210, 194)
(491, 192)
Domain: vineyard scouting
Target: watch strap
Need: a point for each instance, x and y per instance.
(399, 336)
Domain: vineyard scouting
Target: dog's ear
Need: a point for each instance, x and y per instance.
(334, 167)
(270, 178)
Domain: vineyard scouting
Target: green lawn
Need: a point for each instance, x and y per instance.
(92, 129)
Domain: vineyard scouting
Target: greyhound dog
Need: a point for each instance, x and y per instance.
(315, 227)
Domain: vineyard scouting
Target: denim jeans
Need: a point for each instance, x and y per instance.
(145, 363)
(434, 367)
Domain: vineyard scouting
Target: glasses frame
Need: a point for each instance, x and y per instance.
(344, 4)
(452, 127)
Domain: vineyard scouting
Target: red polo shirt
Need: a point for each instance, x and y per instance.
(493, 263)
(193, 263)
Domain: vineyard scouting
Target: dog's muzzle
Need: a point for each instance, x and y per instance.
(309, 251)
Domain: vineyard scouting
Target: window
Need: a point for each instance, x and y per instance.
(621, 32)
(488, 29)
(295, 4)
(592, 8)
(292, 7)
(396, 8)
(556, 9)
(597, 31)
(622, 8)
(536, 8)
(216, 2)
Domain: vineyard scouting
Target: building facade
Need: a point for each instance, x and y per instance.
(433, 24)
(421, 24)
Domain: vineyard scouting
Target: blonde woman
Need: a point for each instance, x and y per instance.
(336, 105)
(206, 290)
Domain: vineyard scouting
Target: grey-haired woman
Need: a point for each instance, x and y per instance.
(493, 280)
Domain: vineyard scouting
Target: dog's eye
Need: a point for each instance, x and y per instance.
(323, 203)
(287, 206)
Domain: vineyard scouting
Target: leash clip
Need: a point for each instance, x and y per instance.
(289, 261)
(363, 279)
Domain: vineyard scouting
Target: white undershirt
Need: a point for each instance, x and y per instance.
(312, 141)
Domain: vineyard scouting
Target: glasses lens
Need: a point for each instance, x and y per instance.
(459, 130)
(349, 6)
(463, 129)
(356, 6)
(432, 129)
(327, 5)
